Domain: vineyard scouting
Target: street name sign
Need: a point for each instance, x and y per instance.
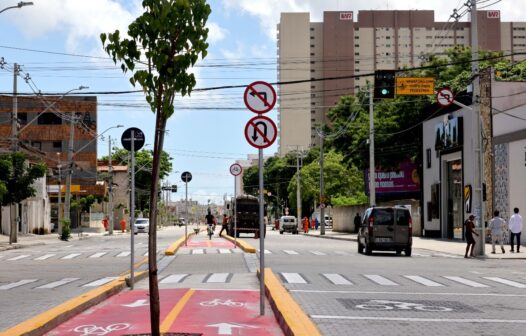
(261, 132)
(259, 97)
(414, 86)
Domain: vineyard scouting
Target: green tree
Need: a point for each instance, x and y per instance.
(17, 178)
(168, 38)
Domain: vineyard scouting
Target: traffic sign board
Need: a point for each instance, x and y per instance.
(415, 86)
(445, 97)
(261, 132)
(186, 177)
(260, 97)
(236, 169)
(138, 139)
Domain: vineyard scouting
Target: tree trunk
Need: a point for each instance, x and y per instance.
(13, 232)
(160, 126)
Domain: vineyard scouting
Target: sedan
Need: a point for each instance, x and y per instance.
(141, 225)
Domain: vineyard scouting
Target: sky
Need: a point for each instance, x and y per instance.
(57, 43)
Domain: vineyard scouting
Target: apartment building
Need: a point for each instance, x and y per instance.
(349, 44)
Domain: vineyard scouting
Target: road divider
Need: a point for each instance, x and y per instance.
(172, 249)
(241, 243)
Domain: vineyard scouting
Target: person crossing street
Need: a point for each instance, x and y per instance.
(497, 229)
(224, 224)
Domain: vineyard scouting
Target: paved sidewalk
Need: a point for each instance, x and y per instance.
(438, 245)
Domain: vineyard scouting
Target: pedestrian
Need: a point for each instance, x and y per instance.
(105, 223)
(357, 222)
(469, 232)
(305, 224)
(316, 223)
(515, 226)
(312, 224)
(224, 224)
(123, 225)
(497, 227)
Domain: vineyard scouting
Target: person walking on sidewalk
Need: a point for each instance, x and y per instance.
(224, 225)
(497, 227)
(515, 226)
(357, 222)
(305, 224)
(469, 232)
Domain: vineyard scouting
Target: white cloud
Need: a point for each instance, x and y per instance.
(216, 33)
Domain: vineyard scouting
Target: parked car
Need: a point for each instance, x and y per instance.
(288, 224)
(141, 225)
(386, 229)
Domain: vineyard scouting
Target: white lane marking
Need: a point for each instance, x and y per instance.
(380, 280)
(266, 251)
(466, 282)
(290, 252)
(217, 277)
(58, 283)
(336, 279)
(423, 281)
(403, 293)
(318, 253)
(71, 256)
(98, 255)
(69, 245)
(446, 255)
(506, 282)
(145, 254)
(224, 251)
(237, 250)
(99, 282)
(17, 284)
(414, 319)
(45, 256)
(294, 278)
(174, 278)
(18, 257)
(198, 251)
(342, 253)
(123, 254)
(420, 255)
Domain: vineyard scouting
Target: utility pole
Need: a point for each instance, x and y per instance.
(298, 183)
(59, 215)
(372, 178)
(69, 172)
(13, 232)
(110, 196)
(322, 185)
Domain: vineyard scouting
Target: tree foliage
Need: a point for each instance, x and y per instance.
(17, 177)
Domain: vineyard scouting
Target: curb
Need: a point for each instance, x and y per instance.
(241, 243)
(329, 237)
(53, 317)
(172, 249)
(291, 318)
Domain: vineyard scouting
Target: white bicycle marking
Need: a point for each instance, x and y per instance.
(219, 302)
(91, 329)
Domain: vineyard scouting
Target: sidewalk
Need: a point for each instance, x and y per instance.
(453, 247)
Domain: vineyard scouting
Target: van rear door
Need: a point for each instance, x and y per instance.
(383, 225)
(402, 217)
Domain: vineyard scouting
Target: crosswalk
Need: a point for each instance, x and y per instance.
(76, 255)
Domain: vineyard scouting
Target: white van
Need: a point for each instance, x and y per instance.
(288, 224)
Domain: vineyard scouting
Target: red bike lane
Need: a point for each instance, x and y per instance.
(203, 312)
(193, 242)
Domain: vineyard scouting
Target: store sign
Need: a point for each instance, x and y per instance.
(493, 14)
(449, 133)
(347, 16)
(403, 179)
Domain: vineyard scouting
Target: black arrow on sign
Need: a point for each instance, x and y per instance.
(255, 135)
(261, 95)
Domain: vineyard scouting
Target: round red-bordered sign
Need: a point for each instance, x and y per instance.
(259, 97)
(261, 132)
(236, 169)
(445, 97)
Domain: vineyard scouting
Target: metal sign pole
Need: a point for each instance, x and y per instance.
(186, 213)
(261, 239)
(132, 208)
(235, 211)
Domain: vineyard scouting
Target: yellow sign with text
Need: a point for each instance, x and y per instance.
(415, 86)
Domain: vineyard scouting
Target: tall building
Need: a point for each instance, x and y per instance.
(341, 46)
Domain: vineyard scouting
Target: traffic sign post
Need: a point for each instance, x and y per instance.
(260, 97)
(186, 177)
(445, 97)
(236, 170)
(261, 132)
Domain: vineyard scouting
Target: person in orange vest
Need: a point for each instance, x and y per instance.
(123, 225)
(305, 224)
(312, 223)
(105, 223)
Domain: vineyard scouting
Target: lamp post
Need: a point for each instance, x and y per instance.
(19, 5)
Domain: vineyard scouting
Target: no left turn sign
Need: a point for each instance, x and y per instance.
(445, 97)
(259, 97)
(261, 132)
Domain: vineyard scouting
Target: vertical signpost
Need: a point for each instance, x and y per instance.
(186, 177)
(132, 139)
(235, 170)
(260, 132)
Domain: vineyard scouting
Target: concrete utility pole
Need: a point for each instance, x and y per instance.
(298, 188)
(69, 172)
(322, 185)
(14, 116)
(372, 185)
(110, 196)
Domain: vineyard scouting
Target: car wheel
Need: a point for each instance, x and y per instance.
(368, 250)
(407, 252)
(280, 232)
(398, 251)
(295, 232)
(360, 248)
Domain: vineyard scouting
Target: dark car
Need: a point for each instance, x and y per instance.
(386, 229)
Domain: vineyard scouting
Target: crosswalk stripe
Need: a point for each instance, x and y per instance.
(174, 278)
(290, 252)
(71, 256)
(45, 256)
(380, 280)
(466, 282)
(198, 251)
(98, 255)
(506, 282)
(217, 277)
(341, 253)
(99, 282)
(423, 281)
(224, 251)
(18, 257)
(123, 254)
(294, 278)
(17, 284)
(336, 279)
(318, 253)
(237, 250)
(57, 283)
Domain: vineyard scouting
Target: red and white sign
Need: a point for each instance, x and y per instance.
(445, 97)
(493, 14)
(347, 16)
(236, 169)
(261, 132)
(260, 97)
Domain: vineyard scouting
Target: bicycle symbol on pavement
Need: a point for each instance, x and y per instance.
(219, 302)
(399, 305)
(91, 329)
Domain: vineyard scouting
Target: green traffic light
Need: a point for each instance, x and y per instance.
(385, 92)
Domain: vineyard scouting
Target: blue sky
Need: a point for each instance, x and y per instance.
(206, 132)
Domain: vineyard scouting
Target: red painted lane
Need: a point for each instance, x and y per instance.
(210, 312)
(204, 243)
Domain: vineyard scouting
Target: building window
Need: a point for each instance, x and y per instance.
(428, 157)
(311, 28)
(356, 62)
(57, 145)
(22, 118)
(49, 119)
(37, 144)
(312, 37)
(312, 54)
(312, 103)
(313, 95)
(356, 54)
(357, 46)
(356, 37)
(312, 45)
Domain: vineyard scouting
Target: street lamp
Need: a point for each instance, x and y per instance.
(19, 5)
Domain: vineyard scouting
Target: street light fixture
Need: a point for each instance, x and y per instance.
(95, 138)
(19, 5)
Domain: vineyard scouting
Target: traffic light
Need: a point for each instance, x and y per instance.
(384, 84)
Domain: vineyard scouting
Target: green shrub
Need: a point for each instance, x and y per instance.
(66, 230)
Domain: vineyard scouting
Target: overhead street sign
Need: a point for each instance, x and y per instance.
(236, 169)
(259, 97)
(415, 86)
(261, 132)
(445, 97)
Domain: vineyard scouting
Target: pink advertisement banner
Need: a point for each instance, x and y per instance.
(403, 179)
